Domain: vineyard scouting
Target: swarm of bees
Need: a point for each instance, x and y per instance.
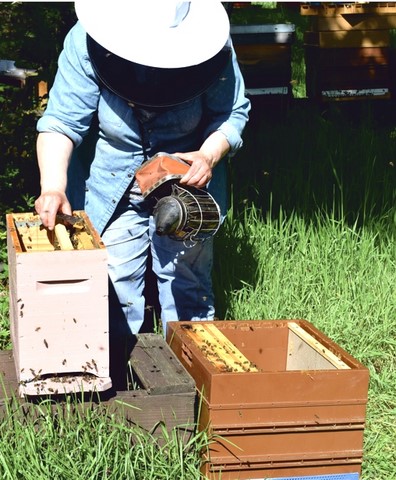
(218, 349)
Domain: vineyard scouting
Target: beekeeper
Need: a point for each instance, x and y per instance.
(148, 76)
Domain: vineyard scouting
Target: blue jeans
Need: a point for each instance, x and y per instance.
(183, 272)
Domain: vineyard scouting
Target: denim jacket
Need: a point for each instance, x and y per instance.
(77, 98)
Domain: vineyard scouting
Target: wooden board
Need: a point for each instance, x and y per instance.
(307, 353)
(272, 55)
(339, 8)
(354, 22)
(347, 57)
(351, 39)
(158, 369)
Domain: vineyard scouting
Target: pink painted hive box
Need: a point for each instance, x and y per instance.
(58, 305)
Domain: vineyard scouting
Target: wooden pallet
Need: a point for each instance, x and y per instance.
(166, 393)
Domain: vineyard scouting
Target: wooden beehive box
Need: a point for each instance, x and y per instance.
(348, 50)
(280, 398)
(348, 72)
(264, 56)
(58, 305)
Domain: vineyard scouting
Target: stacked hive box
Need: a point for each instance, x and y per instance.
(348, 50)
(280, 398)
(264, 56)
(58, 306)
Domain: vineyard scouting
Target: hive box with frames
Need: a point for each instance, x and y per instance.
(58, 305)
(280, 399)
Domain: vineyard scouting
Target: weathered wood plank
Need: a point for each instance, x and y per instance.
(151, 412)
(8, 380)
(158, 368)
(167, 398)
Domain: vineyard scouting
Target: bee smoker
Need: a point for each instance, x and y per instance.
(182, 213)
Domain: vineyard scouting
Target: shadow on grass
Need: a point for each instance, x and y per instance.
(234, 264)
(306, 157)
(339, 157)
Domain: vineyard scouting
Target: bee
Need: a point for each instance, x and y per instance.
(95, 365)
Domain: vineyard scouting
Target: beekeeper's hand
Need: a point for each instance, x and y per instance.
(53, 151)
(204, 160)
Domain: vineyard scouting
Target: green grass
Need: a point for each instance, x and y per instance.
(311, 234)
(41, 442)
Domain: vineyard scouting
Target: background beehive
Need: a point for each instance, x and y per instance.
(348, 50)
(58, 306)
(264, 56)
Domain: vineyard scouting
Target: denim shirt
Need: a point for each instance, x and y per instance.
(77, 98)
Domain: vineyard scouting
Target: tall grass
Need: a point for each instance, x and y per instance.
(41, 442)
(340, 157)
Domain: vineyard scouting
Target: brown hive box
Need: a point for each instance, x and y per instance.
(331, 9)
(264, 56)
(348, 73)
(58, 305)
(348, 39)
(279, 397)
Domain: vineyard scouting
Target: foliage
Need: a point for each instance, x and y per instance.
(339, 157)
(31, 34)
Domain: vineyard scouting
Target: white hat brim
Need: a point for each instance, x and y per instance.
(119, 27)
